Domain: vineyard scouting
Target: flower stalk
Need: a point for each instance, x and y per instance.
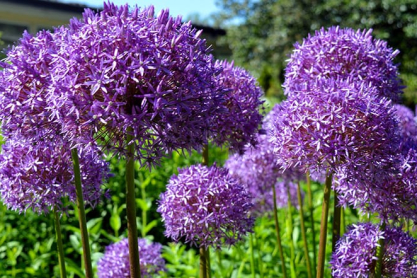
(380, 253)
(303, 231)
(81, 215)
(131, 207)
(323, 226)
(61, 260)
(277, 231)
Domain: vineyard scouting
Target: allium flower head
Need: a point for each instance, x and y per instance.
(331, 123)
(26, 80)
(239, 124)
(355, 253)
(128, 68)
(110, 71)
(39, 176)
(407, 122)
(115, 262)
(386, 186)
(258, 171)
(206, 207)
(344, 53)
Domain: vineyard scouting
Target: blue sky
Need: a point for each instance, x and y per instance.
(176, 7)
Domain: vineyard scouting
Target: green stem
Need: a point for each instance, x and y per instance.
(252, 259)
(336, 221)
(59, 245)
(342, 221)
(144, 211)
(323, 227)
(277, 231)
(291, 229)
(303, 231)
(311, 210)
(81, 215)
(208, 263)
(203, 262)
(380, 253)
(131, 207)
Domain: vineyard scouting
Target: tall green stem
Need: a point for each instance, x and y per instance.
(131, 207)
(380, 253)
(336, 221)
(207, 250)
(59, 245)
(203, 262)
(81, 215)
(311, 210)
(291, 230)
(323, 226)
(303, 231)
(277, 231)
(252, 257)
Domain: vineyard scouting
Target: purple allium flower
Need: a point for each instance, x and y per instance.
(39, 176)
(344, 53)
(333, 123)
(407, 122)
(125, 68)
(26, 80)
(239, 125)
(206, 207)
(355, 253)
(115, 262)
(386, 186)
(112, 70)
(258, 171)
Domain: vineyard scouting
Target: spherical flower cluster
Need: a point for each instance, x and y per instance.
(386, 186)
(258, 171)
(206, 207)
(115, 262)
(407, 123)
(355, 253)
(333, 123)
(39, 176)
(239, 124)
(26, 80)
(111, 73)
(344, 53)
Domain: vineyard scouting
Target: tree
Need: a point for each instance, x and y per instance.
(261, 33)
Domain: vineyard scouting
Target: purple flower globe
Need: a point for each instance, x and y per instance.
(407, 122)
(115, 262)
(355, 253)
(258, 171)
(114, 72)
(333, 123)
(39, 176)
(206, 207)
(385, 186)
(338, 53)
(238, 125)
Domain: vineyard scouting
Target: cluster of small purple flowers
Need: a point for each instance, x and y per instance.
(338, 53)
(258, 171)
(38, 177)
(123, 71)
(115, 262)
(206, 206)
(239, 124)
(355, 254)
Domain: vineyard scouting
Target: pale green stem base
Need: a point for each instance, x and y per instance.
(81, 215)
(61, 258)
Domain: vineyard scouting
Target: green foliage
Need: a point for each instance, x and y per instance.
(261, 33)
